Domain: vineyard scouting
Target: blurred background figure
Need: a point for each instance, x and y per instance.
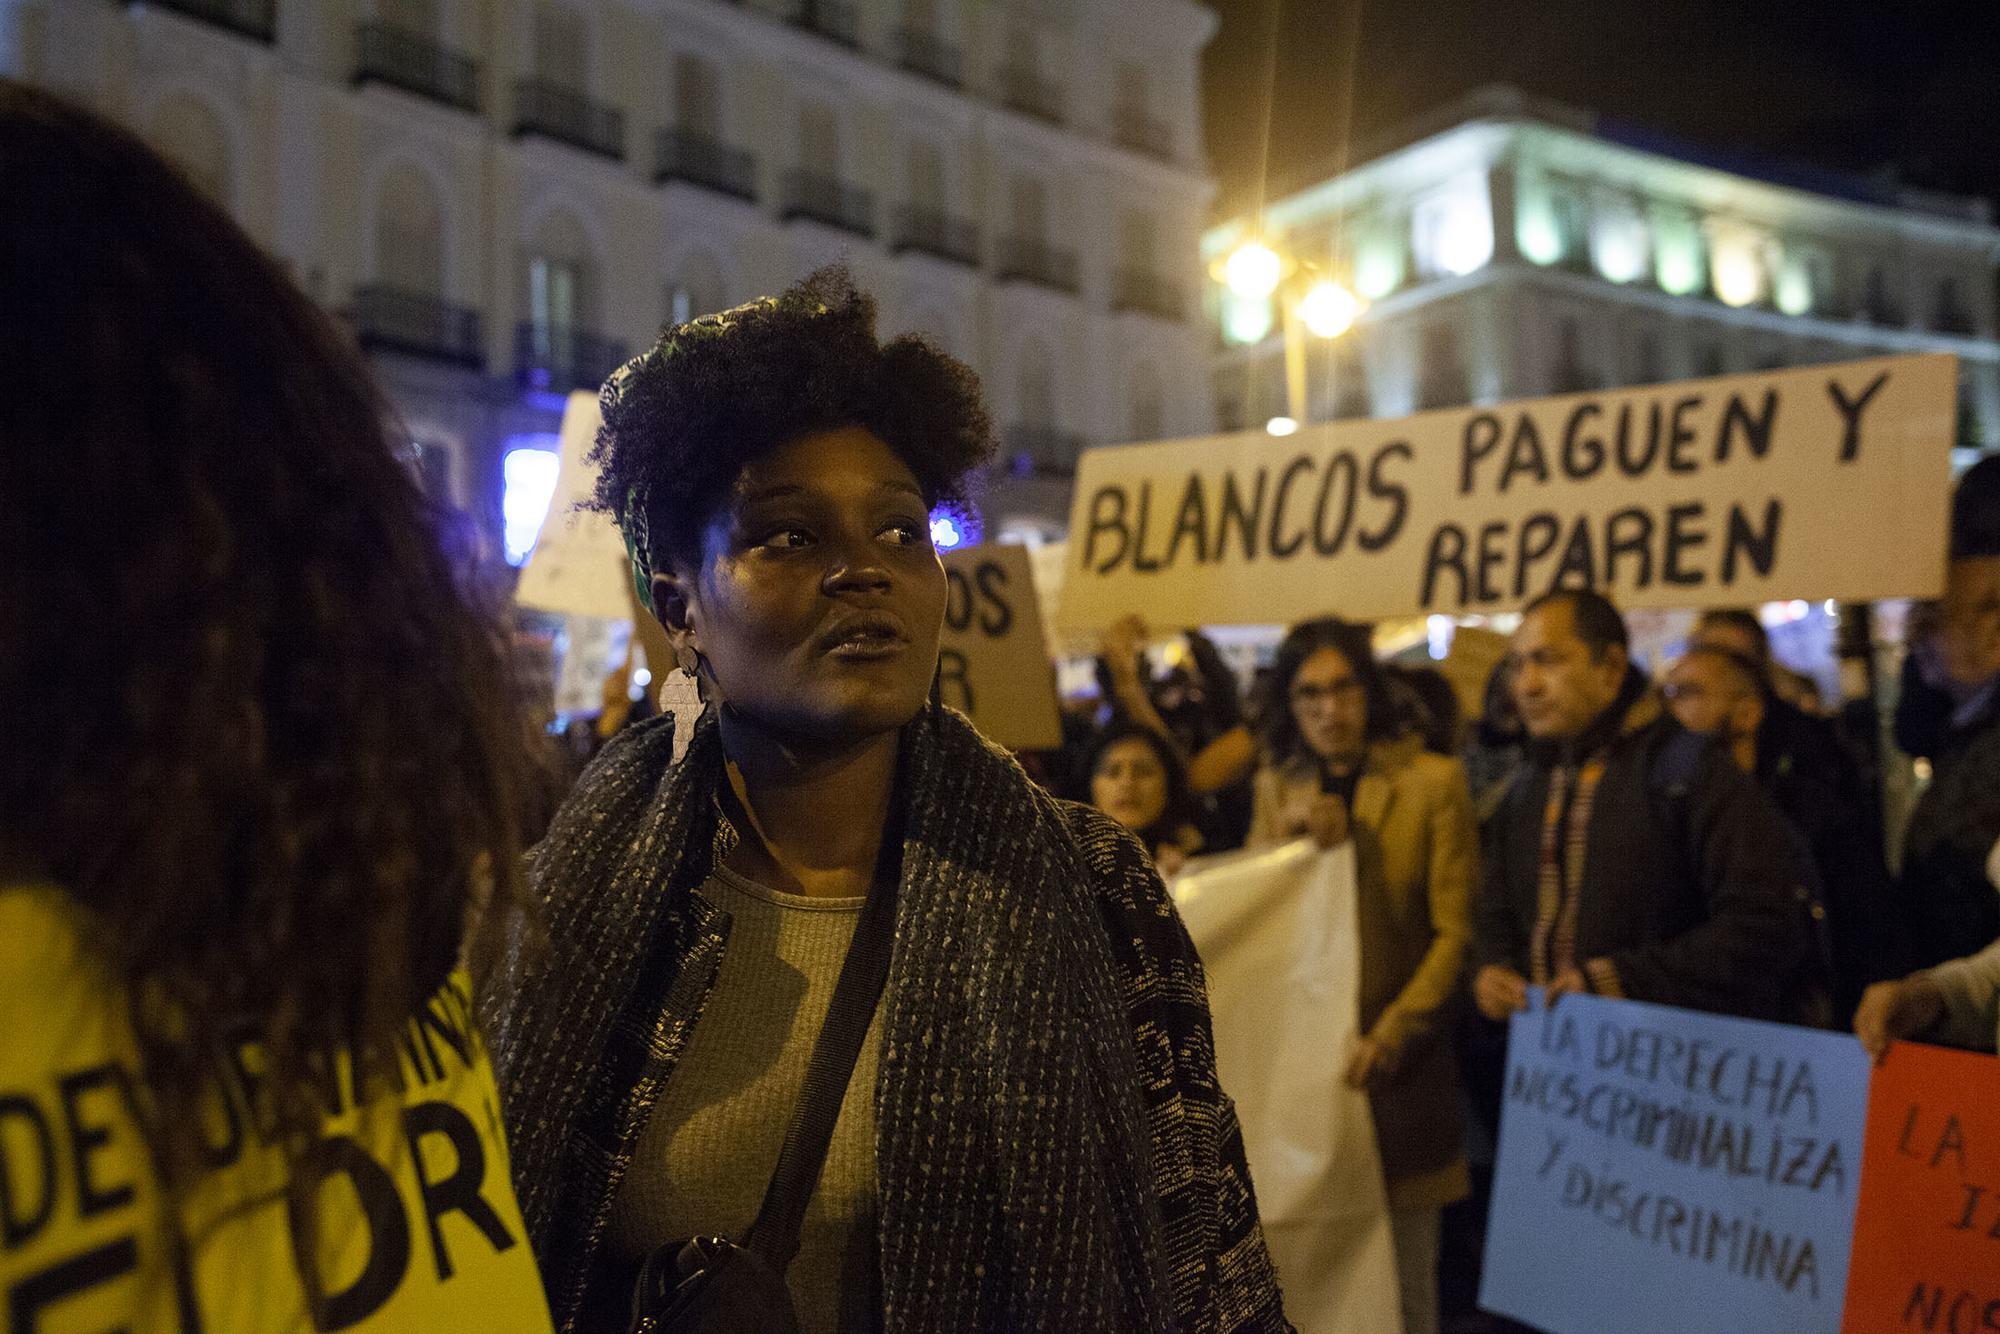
(1950, 713)
(1425, 706)
(1336, 765)
(1810, 777)
(1136, 778)
(262, 764)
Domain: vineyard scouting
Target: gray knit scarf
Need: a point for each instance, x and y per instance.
(1015, 1162)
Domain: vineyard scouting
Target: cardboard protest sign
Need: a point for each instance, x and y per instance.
(577, 563)
(1278, 938)
(1827, 482)
(993, 657)
(1701, 1171)
(1927, 1235)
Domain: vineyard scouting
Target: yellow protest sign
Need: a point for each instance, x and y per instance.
(1821, 482)
(993, 657)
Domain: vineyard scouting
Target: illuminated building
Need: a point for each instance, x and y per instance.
(505, 200)
(1509, 248)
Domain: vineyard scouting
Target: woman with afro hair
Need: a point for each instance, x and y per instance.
(1033, 1137)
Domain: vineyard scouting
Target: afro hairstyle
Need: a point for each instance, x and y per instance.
(717, 393)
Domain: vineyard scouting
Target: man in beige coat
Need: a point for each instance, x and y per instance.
(1334, 769)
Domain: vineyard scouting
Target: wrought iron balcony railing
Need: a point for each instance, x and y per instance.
(922, 52)
(1037, 261)
(700, 159)
(416, 64)
(935, 232)
(418, 324)
(1136, 130)
(830, 200)
(831, 19)
(563, 114)
(255, 19)
(1148, 293)
(1027, 92)
(558, 359)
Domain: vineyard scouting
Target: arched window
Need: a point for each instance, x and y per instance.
(561, 283)
(190, 135)
(1148, 420)
(819, 139)
(409, 233)
(926, 177)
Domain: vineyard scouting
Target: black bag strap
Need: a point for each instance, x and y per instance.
(774, 1236)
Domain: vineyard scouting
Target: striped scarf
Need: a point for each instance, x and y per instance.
(1559, 877)
(1054, 1152)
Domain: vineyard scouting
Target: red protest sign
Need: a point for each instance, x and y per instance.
(1927, 1226)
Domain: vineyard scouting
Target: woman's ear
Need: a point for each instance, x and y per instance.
(673, 604)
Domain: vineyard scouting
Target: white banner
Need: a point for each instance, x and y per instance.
(579, 564)
(1821, 482)
(1278, 937)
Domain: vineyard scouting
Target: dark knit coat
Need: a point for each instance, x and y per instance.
(1053, 1149)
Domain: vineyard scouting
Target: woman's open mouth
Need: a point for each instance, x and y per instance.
(865, 638)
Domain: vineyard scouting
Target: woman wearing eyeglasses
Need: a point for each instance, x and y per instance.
(1334, 768)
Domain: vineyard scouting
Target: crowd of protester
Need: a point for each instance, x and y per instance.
(711, 1078)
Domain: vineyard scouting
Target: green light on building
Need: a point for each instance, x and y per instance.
(1537, 231)
(1793, 290)
(1378, 266)
(1245, 320)
(1677, 257)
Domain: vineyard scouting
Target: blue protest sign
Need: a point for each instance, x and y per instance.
(1667, 1172)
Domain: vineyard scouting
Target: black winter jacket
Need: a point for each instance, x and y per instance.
(1693, 897)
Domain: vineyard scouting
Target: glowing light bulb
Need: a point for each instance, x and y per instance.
(945, 533)
(1281, 426)
(1253, 270)
(1329, 310)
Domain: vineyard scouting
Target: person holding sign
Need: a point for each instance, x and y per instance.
(1631, 859)
(1335, 768)
(260, 766)
(1032, 1136)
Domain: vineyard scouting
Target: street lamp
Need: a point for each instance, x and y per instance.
(1311, 300)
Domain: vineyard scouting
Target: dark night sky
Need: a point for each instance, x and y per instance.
(1835, 84)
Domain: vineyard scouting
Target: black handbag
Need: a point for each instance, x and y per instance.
(711, 1285)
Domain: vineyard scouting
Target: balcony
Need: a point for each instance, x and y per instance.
(255, 19)
(1141, 133)
(922, 52)
(934, 232)
(1035, 261)
(419, 325)
(829, 200)
(1042, 451)
(560, 360)
(829, 19)
(415, 64)
(1027, 92)
(1149, 294)
(569, 117)
(700, 159)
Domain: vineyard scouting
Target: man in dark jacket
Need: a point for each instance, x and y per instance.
(1815, 783)
(1630, 859)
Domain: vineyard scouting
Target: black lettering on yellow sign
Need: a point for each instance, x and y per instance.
(954, 680)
